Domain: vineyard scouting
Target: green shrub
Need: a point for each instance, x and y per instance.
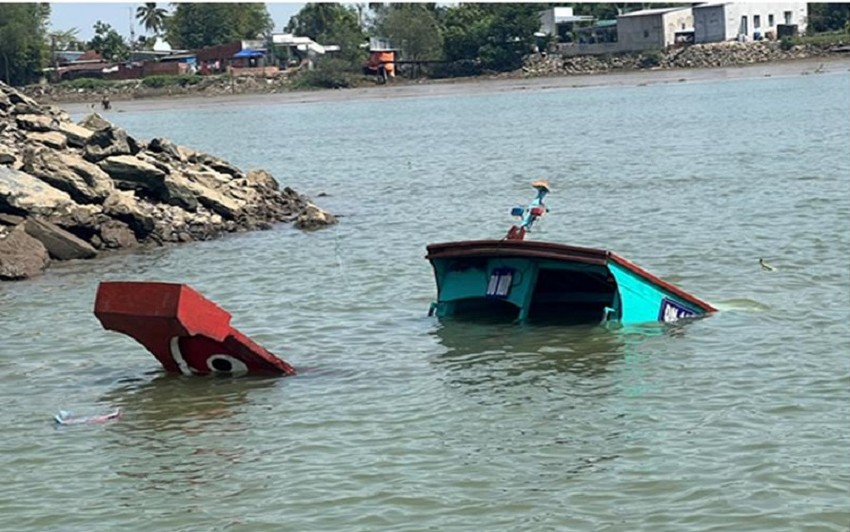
(189, 79)
(329, 74)
(87, 83)
(786, 43)
(160, 81)
(456, 69)
(832, 38)
(650, 59)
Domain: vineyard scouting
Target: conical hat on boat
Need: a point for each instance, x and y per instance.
(541, 183)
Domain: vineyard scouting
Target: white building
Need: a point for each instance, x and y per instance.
(715, 22)
(302, 49)
(653, 28)
(560, 21)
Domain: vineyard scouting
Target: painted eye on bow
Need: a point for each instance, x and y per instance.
(226, 364)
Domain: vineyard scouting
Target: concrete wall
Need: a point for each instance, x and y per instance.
(681, 19)
(724, 22)
(550, 17)
(654, 30)
(639, 32)
(710, 23)
(575, 49)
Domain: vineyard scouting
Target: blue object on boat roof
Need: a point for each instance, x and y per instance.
(523, 280)
(249, 52)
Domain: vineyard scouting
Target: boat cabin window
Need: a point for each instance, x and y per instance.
(570, 296)
(486, 310)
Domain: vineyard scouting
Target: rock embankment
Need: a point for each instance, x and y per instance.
(712, 55)
(73, 191)
(214, 85)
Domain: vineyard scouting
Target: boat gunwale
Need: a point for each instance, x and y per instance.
(517, 248)
(553, 251)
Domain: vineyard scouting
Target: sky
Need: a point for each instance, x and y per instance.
(121, 15)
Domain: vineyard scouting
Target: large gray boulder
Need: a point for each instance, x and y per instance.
(77, 136)
(209, 178)
(85, 182)
(11, 219)
(183, 192)
(17, 97)
(215, 163)
(312, 218)
(61, 244)
(7, 156)
(116, 235)
(83, 222)
(21, 256)
(109, 142)
(22, 193)
(210, 191)
(124, 206)
(95, 122)
(167, 148)
(52, 139)
(132, 173)
(262, 179)
(32, 122)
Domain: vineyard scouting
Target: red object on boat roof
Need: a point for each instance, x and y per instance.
(186, 332)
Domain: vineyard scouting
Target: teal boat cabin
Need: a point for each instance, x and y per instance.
(522, 280)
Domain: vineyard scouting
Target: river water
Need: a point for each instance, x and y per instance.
(740, 421)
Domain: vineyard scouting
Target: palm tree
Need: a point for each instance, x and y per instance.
(151, 17)
(64, 39)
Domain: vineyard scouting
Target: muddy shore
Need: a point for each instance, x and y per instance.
(479, 85)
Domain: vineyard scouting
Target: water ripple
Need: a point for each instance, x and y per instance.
(397, 421)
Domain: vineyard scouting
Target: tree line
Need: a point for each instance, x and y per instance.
(465, 38)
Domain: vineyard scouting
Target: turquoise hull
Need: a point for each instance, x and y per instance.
(523, 280)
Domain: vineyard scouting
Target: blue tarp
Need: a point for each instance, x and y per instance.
(249, 52)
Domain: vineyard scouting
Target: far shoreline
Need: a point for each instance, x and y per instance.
(475, 85)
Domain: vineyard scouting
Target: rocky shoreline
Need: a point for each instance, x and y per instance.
(700, 56)
(75, 191)
(711, 55)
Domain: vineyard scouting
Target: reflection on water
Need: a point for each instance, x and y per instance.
(183, 435)
(482, 354)
(581, 349)
(169, 401)
(724, 423)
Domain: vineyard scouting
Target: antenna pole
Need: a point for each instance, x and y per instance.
(529, 215)
(132, 30)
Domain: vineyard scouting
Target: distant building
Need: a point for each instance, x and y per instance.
(650, 29)
(562, 23)
(727, 21)
(604, 31)
(161, 45)
(64, 57)
(218, 59)
(382, 58)
(300, 50)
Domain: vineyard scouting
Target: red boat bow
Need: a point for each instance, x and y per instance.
(186, 332)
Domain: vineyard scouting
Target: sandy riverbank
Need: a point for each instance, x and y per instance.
(478, 85)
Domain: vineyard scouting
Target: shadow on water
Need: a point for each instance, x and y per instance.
(515, 354)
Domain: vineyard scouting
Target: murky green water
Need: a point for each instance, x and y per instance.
(398, 422)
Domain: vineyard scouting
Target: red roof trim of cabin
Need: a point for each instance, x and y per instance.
(517, 248)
